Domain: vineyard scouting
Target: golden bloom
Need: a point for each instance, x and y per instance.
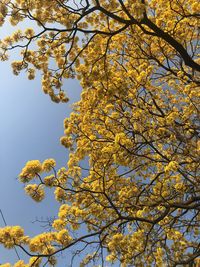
(31, 169)
(58, 224)
(63, 237)
(35, 191)
(12, 235)
(172, 166)
(60, 194)
(48, 164)
(49, 180)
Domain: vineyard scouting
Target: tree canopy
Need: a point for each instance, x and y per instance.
(130, 192)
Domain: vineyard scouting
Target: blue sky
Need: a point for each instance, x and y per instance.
(31, 126)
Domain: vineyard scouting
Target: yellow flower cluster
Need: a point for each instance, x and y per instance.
(34, 261)
(62, 176)
(12, 235)
(50, 180)
(42, 243)
(63, 237)
(66, 141)
(31, 169)
(48, 164)
(59, 224)
(36, 192)
(172, 166)
(60, 194)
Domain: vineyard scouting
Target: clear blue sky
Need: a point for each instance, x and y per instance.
(31, 126)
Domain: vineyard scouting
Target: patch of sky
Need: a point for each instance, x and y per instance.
(31, 126)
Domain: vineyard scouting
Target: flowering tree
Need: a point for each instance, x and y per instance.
(131, 191)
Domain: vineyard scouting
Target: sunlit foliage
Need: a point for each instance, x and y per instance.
(130, 192)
